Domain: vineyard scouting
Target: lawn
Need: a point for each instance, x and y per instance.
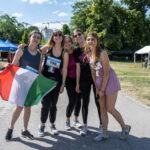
(135, 80)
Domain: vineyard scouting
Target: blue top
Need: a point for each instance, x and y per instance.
(29, 61)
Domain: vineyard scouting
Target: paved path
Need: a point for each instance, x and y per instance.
(136, 115)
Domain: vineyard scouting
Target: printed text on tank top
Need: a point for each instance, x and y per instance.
(53, 62)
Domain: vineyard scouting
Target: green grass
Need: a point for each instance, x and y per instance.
(135, 80)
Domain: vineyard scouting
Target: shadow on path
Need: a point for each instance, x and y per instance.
(67, 140)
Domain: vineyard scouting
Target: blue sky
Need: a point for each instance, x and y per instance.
(38, 12)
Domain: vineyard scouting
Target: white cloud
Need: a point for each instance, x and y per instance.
(62, 14)
(55, 12)
(59, 14)
(68, 3)
(18, 15)
(40, 1)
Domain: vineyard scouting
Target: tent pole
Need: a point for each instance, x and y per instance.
(148, 65)
(134, 57)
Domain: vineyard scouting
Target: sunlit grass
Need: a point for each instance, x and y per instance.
(135, 80)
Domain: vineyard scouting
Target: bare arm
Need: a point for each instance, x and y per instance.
(17, 56)
(106, 67)
(44, 49)
(77, 77)
(41, 63)
(64, 70)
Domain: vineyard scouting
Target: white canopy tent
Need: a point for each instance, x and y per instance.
(144, 50)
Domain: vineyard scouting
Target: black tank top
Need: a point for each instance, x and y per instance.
(30, 61)
(53, 66)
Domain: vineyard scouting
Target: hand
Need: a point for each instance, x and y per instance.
(22, 46)
(97, 92)
(77, 88)
(61, 89)
(101, 93)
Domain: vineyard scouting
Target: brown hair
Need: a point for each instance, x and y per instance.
(98, 49)
(51, 42)
(68, 37)
(34, 32)
(77, 30)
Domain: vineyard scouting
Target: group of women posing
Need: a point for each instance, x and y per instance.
(76, 68)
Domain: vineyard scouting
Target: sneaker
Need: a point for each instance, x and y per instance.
(27, 134)
(77, 124)
(8, 136)
(84, 131)
(100, 130)
(54, 131)
(125, 132)
(67, 125)
(101, 137)
(41, 131)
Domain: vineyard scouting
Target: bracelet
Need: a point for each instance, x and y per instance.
(63, 83)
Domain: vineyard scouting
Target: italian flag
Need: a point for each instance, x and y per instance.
(23, 87)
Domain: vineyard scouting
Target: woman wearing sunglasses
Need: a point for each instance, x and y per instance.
(55, 68)
(85, 80)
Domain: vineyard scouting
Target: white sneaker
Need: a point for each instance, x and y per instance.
(125, 132)
(41, 131)
(84, 131)
(100, 130)
(101, 137)
(77, 124)
(67, 125)
(54, 131)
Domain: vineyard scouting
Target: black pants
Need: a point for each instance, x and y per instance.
(85, 88)
(49, 103)
(97, 103)
(72, 95)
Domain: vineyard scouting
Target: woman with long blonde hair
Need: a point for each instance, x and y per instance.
(107, 85)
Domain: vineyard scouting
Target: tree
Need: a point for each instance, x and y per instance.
(24, 37)
(80, 14)
(8, 28)
(139, 5)
(65, 29)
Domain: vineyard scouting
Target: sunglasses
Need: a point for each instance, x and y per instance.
(78, 34)
(57, 34)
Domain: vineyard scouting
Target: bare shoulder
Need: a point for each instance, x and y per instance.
(44, 49)
(104, 54)
(19, 51)
(65, 54)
